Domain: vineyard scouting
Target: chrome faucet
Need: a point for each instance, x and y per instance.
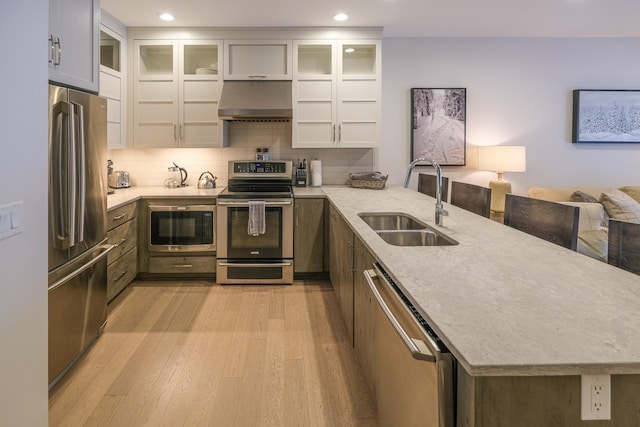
(440, 210)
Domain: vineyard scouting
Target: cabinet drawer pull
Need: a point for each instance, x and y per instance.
(124, 273)
(182, 265)
(115, 245)
(257, 77)
(116, 218)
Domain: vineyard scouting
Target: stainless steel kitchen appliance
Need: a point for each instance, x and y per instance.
(181, 227)
(207, 180)
(259, 192)
(119, 179)
(416, 374)
(77, 281)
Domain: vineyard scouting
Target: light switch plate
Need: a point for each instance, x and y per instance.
(11, 219)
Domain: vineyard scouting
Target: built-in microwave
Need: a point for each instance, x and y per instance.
(182, 228)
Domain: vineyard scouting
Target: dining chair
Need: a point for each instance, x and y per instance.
(551, 221)
(427, 185)
(473, 198)
(624, 245)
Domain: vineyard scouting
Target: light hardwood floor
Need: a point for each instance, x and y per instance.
(199, 354)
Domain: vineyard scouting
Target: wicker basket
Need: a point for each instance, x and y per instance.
(360, 181)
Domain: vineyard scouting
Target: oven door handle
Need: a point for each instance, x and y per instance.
(255, 265)
(280, 203)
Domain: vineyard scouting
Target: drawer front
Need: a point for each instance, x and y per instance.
(121, 273)
(124, 237)
(121, 215)
(178, 264)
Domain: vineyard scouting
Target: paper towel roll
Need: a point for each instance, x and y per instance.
(315, 168)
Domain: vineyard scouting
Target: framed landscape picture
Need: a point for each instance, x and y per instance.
(606, 116)
(438, 125)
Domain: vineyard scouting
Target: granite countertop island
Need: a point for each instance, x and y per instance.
(504, 302)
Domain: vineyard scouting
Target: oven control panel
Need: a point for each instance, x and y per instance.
(258, 168)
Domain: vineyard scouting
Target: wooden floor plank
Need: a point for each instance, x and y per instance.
(197, 353)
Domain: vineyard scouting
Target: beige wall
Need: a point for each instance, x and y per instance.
(23, 258)
(518, 93)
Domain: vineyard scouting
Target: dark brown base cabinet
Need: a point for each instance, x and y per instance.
(341, 266)
(348, 258)
(550, 401)
(310, 233)
(122, 263)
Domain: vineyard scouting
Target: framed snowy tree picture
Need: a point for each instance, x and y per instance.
(438, 125)
(606, 116)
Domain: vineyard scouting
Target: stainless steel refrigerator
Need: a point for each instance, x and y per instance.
(77, 225)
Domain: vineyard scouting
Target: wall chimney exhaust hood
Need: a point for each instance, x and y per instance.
(266, 100)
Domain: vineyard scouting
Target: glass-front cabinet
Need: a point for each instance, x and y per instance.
(336, 93)
(113, 84)
(176, 92)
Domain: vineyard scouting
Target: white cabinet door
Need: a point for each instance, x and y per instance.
(155, 94)
(199, 91)
(176, 92)
(112, 85)
(73, 43)
(336, 93)
(314, 94)
(358, 102)
(257, 59)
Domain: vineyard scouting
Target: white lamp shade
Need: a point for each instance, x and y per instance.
(502, 158)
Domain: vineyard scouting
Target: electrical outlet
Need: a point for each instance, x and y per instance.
(596, 397)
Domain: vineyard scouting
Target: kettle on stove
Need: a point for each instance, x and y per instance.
(207, 180)
(177, 177)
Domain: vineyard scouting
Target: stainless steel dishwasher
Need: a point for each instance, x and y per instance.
(415, 374)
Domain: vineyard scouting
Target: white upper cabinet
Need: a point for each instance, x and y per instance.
(257, 59)
(113, 79)
(176, 90)
(73, 43)
(336, 93)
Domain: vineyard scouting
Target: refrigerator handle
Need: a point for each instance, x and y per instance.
(60, 128)
(105, 250)
(80, 173)
(72, 178)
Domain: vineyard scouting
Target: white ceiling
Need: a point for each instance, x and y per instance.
(400, 18)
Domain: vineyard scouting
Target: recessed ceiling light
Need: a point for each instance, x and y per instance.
(166, 16)
(349, 50)
(340, 17)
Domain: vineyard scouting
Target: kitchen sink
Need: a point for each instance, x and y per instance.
(416, 238)
(391, 221)
(401, 229)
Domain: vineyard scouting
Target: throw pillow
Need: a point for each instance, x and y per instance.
(579, 196)
(620, 205)
(582, 197)
(632, 190)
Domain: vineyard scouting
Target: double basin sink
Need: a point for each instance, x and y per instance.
(401, 229)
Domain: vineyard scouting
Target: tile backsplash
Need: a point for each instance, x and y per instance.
(149, 166)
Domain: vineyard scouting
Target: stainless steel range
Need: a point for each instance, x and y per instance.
(255, 224)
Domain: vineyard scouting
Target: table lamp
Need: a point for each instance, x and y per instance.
(501, 158)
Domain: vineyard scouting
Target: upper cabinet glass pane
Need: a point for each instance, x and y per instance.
(315, 59)
(359, 59)
(201, 59)
(156, 59)
(109, 51)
